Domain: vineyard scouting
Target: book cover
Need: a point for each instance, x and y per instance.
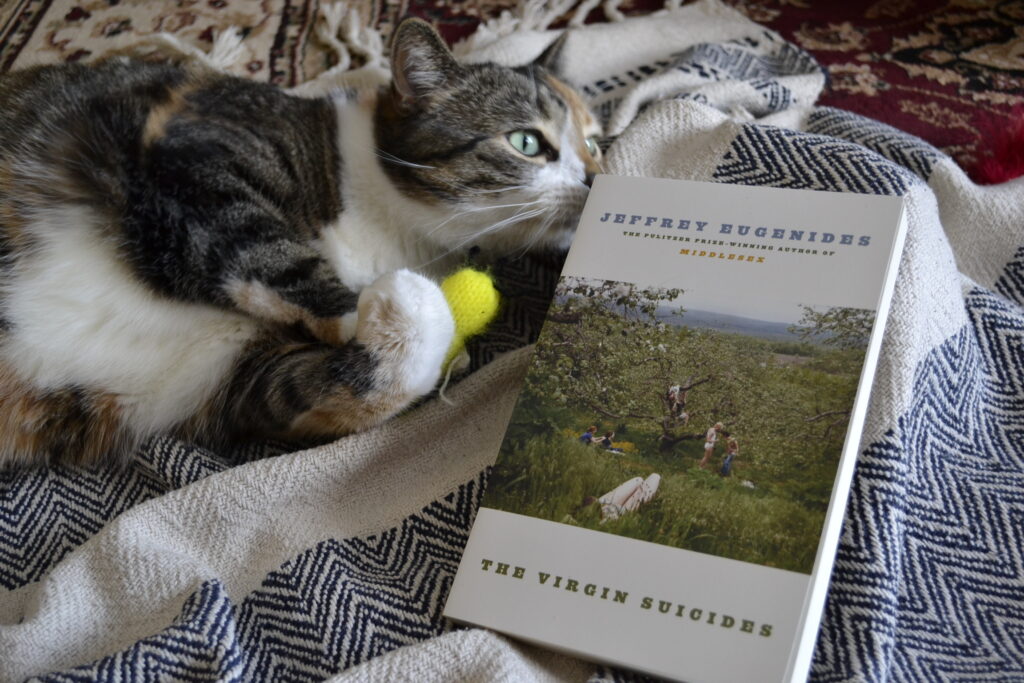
(670, 491)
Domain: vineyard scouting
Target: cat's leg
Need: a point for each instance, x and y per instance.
(287, 282)
(285, 389)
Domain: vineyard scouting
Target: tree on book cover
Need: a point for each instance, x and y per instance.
(715, 433)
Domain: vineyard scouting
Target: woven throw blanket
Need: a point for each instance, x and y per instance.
(336, 560)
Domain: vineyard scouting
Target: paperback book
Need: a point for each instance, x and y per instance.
(670, 491)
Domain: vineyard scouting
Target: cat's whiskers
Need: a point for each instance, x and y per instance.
(563, 214)
(477, 209)
(512, 220)
(468, 191)
(538, 232)
(493, 207)
(454, 185)
(476, 192)
(470, 236)
(391, 158)
(515, 218)
(499, 190)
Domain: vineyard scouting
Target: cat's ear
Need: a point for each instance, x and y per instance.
(553, 57)
(420, 61)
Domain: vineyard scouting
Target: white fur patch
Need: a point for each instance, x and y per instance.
(382, 230)
(412, 344)
(79, 317)
(349, 321)
(378, 232)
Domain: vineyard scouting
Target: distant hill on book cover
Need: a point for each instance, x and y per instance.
(723, 322)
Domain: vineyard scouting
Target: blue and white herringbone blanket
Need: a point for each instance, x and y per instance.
(336, 561)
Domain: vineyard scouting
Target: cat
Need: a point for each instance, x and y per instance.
(190, 253)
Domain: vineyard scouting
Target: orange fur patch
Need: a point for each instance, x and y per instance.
(161, 114)
(339, 414)
(581, 118)
(260, 301)
(12, 222)
(66, 425)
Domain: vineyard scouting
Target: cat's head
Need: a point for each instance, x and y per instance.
(508, 152)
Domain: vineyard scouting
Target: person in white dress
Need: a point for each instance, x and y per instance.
(628, 496)
(709, 443)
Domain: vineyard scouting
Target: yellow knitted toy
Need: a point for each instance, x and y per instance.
(474, 303)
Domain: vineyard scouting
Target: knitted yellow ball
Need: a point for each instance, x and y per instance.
(474, 303)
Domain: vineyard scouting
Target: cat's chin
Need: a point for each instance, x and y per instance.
(560, 235)
(562, 239)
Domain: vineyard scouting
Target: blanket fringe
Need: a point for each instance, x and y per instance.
(342, 30)
(226, 51)
(538, 15)
(582, 11)
(611, 10)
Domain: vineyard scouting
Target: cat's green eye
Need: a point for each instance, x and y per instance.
(592, 147)
(525, 142)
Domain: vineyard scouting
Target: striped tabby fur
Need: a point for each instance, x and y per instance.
(192, 253)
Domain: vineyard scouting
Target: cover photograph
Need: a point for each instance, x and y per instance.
(670, 490)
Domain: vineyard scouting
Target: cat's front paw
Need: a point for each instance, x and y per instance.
(405, 322)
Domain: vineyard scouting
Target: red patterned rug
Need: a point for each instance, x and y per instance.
(950, 72)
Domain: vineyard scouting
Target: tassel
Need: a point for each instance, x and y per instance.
(582, 11)
(227, 49)
(611, 10)
(488, 32)
(356, 39)
(458, 364)
(328, 31)
(529, 15)
(536, 15)
(364, 41)
(540, 14)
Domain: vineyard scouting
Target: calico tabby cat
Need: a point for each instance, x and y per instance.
(191, 253)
